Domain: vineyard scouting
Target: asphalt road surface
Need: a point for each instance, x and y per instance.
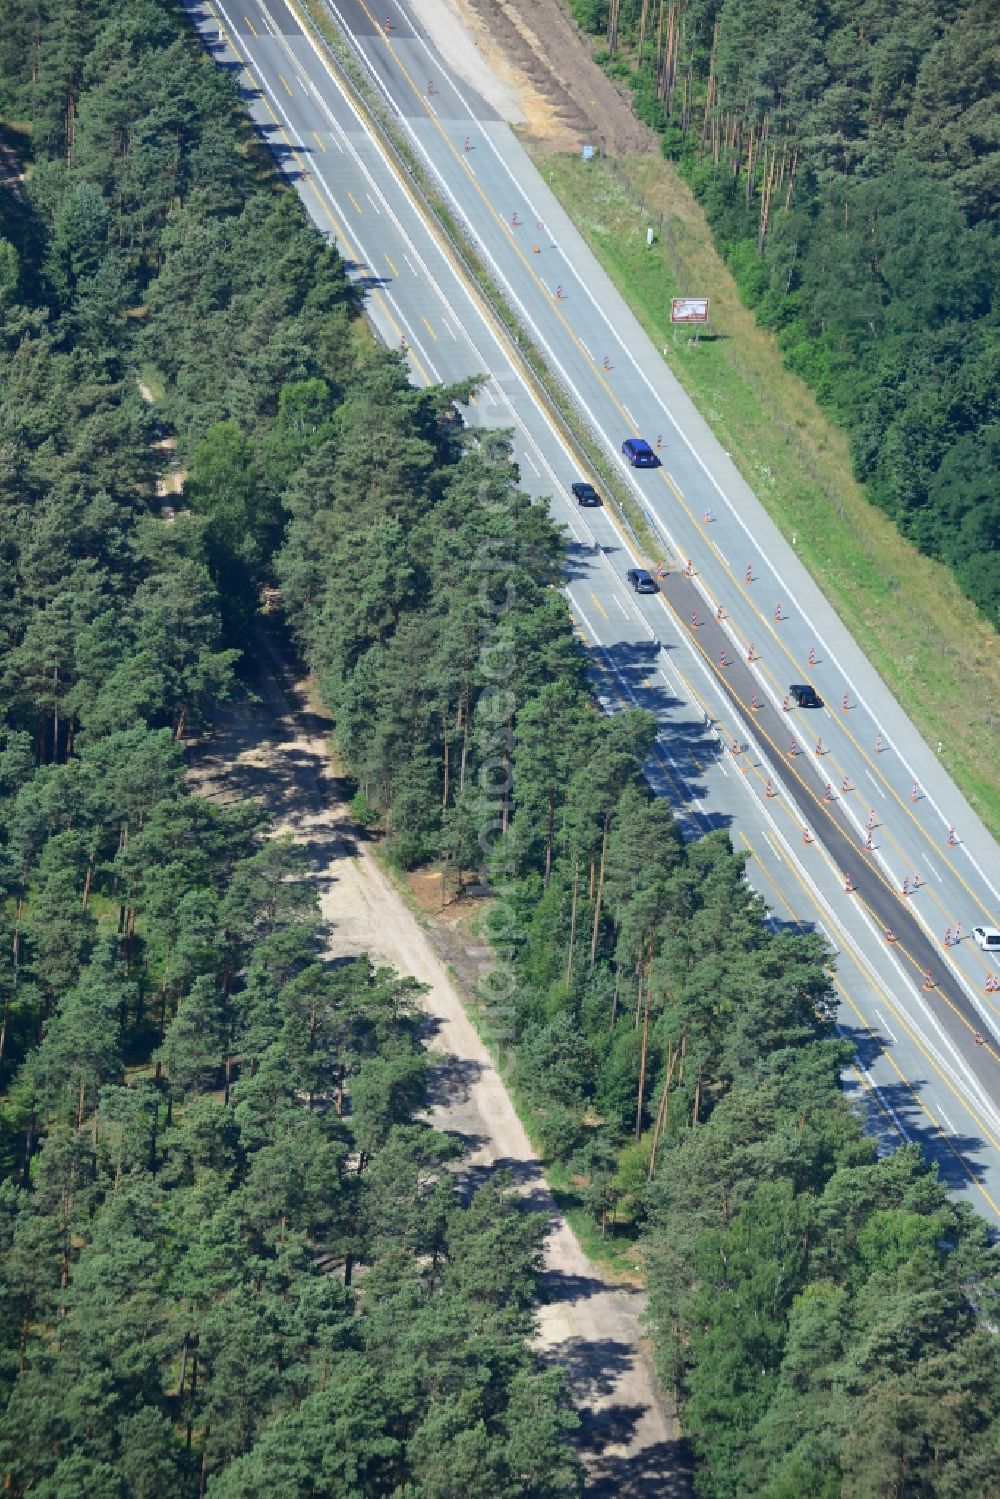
(711, 654)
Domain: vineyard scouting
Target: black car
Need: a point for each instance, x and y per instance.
(804, 695)
(639, 453)
(641, 580)
(585, 494)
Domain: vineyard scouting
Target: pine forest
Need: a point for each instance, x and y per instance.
(847, 156)
(233, 1260)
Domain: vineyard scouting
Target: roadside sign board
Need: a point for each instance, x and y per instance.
(689, 310)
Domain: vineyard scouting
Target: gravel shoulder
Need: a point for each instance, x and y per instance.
(532, 51)
(274, 749)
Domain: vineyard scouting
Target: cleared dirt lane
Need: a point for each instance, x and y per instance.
(274, 750)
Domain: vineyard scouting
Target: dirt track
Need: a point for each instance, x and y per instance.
(12, 176)
(275, 750)
(565, 97)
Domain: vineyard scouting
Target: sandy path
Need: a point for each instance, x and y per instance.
(533, 64)
(275, 750)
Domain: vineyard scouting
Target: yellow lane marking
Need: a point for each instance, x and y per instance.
(904, 1025)
(318, 139)
(795, 817)
(768, 624)
(540, 396)
(285, 85)
(772, 882)
(599, 604)
(354, 201)
(391, 265)
(872, 1091)
(502, 222)
(901, 1019)
(663, 473)
(307, 175)
(680, 797)
(250, 26)
(780, 758)
(337, 229)
(906, 901)
(430, 330)
(846, 997)
(224, 31)
(911, 959)
(925, 889)
(883, 1109)
(937, 992)
(840, 723)
(613, 398)
(835, 777)
(445, 246)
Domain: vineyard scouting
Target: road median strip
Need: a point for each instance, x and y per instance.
(555, 401)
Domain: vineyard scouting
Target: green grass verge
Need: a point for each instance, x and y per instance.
(906, 612)
(613, 1250)
(150, 377)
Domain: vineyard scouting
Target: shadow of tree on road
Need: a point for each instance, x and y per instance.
(665, 1469)
(526, 1178)
(451, 1079)
(561, 1286)
(594, 1371)
(593, 1368)
(257, 751)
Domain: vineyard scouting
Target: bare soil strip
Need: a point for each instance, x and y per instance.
(275, 750)
(564, 96)
(908, 612)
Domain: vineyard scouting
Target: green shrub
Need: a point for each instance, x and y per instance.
(591, 15)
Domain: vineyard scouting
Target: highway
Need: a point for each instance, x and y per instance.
(847, 794)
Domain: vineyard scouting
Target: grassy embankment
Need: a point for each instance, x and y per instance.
(934, 651)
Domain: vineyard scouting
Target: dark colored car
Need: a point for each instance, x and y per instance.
(585, 494)
(639, 453)
(804, 695)
(641, 580)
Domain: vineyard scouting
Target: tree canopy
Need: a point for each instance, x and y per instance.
(847, 157)
(232, 1256)
(233, 1259)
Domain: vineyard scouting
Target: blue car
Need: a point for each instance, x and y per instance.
(639, 453)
